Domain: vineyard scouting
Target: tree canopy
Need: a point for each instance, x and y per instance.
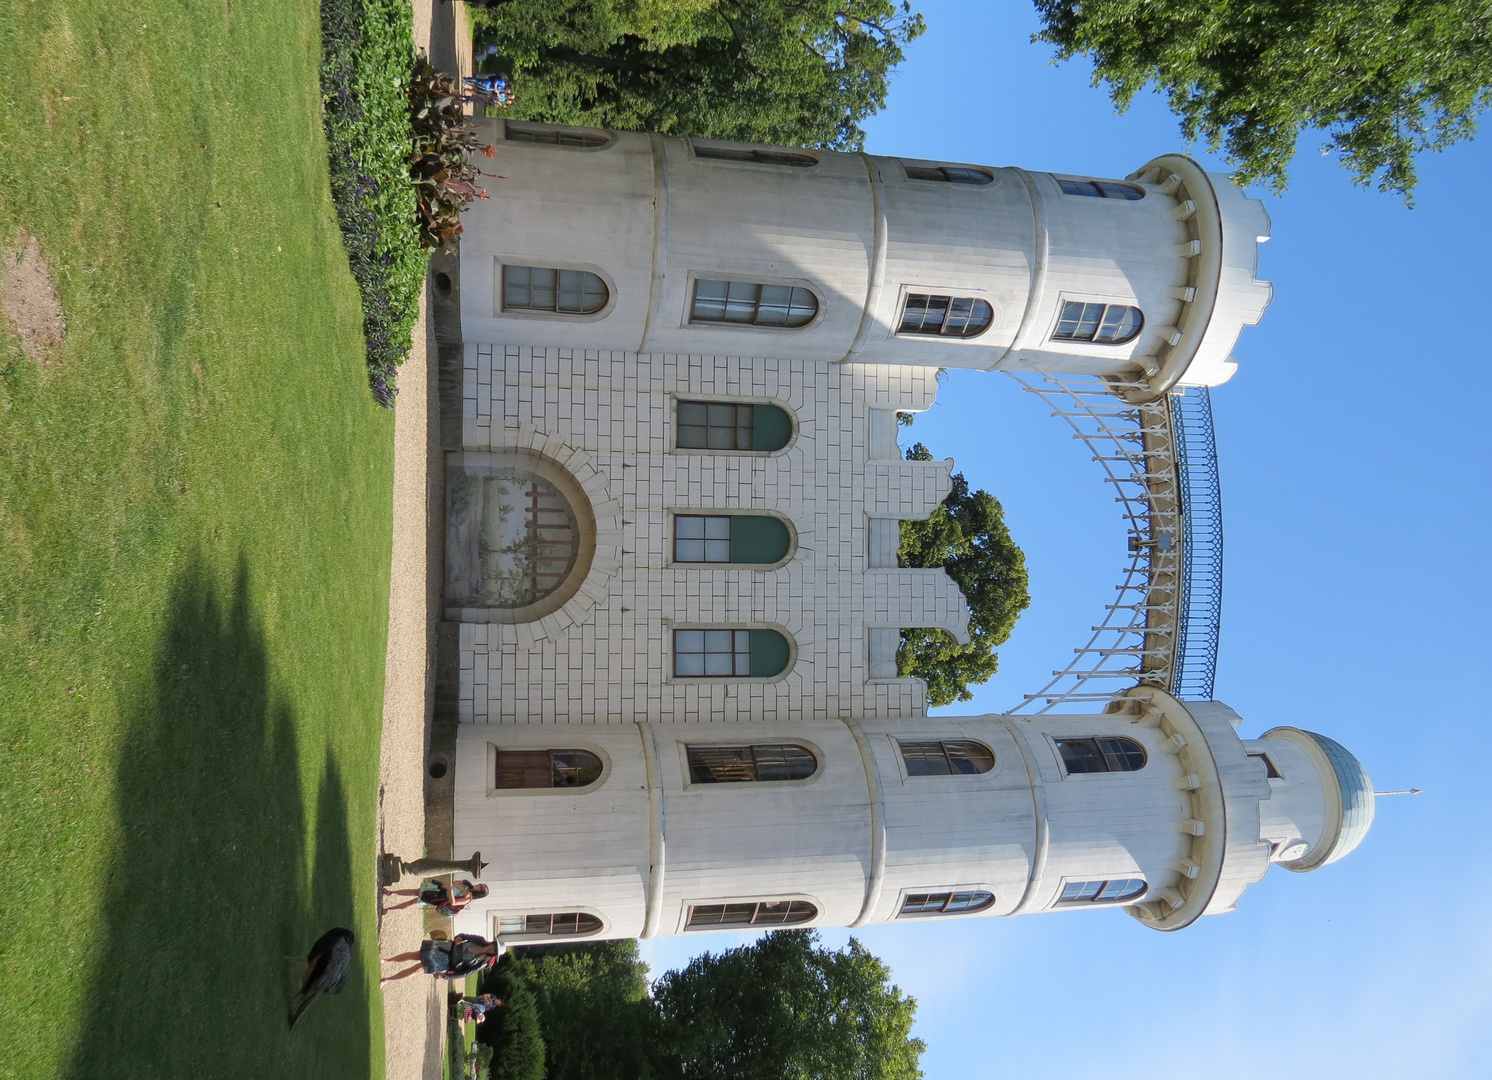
(967, 537)
(784, 1007)
(1384, 79)
(796, 72)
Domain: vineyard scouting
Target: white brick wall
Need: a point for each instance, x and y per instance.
(607, 417)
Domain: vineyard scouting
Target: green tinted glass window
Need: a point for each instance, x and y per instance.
(757, 539)
(771, 428)
(769, 653)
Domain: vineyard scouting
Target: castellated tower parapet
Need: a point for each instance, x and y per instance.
(1146, 281)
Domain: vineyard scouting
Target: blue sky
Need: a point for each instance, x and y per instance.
(1354, 457)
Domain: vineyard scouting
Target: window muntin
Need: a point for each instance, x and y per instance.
(1113, 891)
(1106, 753)
(763, 913)
(1101, 189)
(548, 289)
(551, 135)
(551, 924)
(729, 425)
(952, 174)
(947, 757)
(764, 762)
(946, 903)
(1102, 324)
(742, 539)
(759, 155)
(946, 316)
(750, 303)
(729, 654)
(547, 769)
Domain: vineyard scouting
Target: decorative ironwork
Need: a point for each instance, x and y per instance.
(1162, 627)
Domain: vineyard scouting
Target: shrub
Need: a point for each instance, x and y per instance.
(367, 61)
(513, 1030)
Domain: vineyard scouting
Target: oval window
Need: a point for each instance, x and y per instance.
(554, 291)
(946, 757)
(547, 769)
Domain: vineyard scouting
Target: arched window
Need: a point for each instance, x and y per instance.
(1115, 891)
(952, 174)
(764, 913)
(760, 761)
(744, 539)
(560, 292)
(946, 316)
(760, 155)
(728, 425)
(946, 903)
(949, 757)
(748, 303)
(547, 768)
(1102, 324)
(1101, 189)
(555, 924)
(555, 135)
(1106, 753)
(729, 654)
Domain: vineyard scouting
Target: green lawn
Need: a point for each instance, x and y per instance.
(194, 545)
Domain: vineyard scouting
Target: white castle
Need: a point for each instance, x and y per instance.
(668, 698)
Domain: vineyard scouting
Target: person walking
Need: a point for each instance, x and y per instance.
(456, 959)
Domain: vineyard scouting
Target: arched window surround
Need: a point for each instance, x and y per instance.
(500, 310)
(723, 399)
(732, 680)
(529, 743)
(731, 154)
(983, 897)
(753, 737)
(905, 766)
(682, 511)
(747, 277)
(764, 917)
(515, 131)
(527, 936)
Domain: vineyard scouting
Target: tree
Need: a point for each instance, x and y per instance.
(967, 537)
(593, 1007)
(796, 72)
(786, 1008)
(513, 1031)
(1384, 78)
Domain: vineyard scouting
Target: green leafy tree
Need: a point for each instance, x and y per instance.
(796, 72)
(786, 1008)
(967, 537)
(513, 1031)
(594, 1010)
(1384, 78)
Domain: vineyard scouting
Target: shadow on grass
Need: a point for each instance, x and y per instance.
(210, 890)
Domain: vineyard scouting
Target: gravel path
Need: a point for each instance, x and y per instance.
(414, 1009)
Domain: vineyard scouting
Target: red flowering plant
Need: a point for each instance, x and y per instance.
(445, 178)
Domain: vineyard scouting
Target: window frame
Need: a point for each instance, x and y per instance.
(807, 159)
(1131, 304)
(582, 131)
(1100, 901)
(500, 310)
(907, 776)
(685, 746)
(1056, 742)
(1098, 192)
(528, 744)
(672, 628)
(495, 932)
(908, 164)
(672, 432)
(686, 911)
(691, 286)
(952, 891)
(675, 513)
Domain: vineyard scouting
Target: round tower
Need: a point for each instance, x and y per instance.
(1153, 805)
(705, 247)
